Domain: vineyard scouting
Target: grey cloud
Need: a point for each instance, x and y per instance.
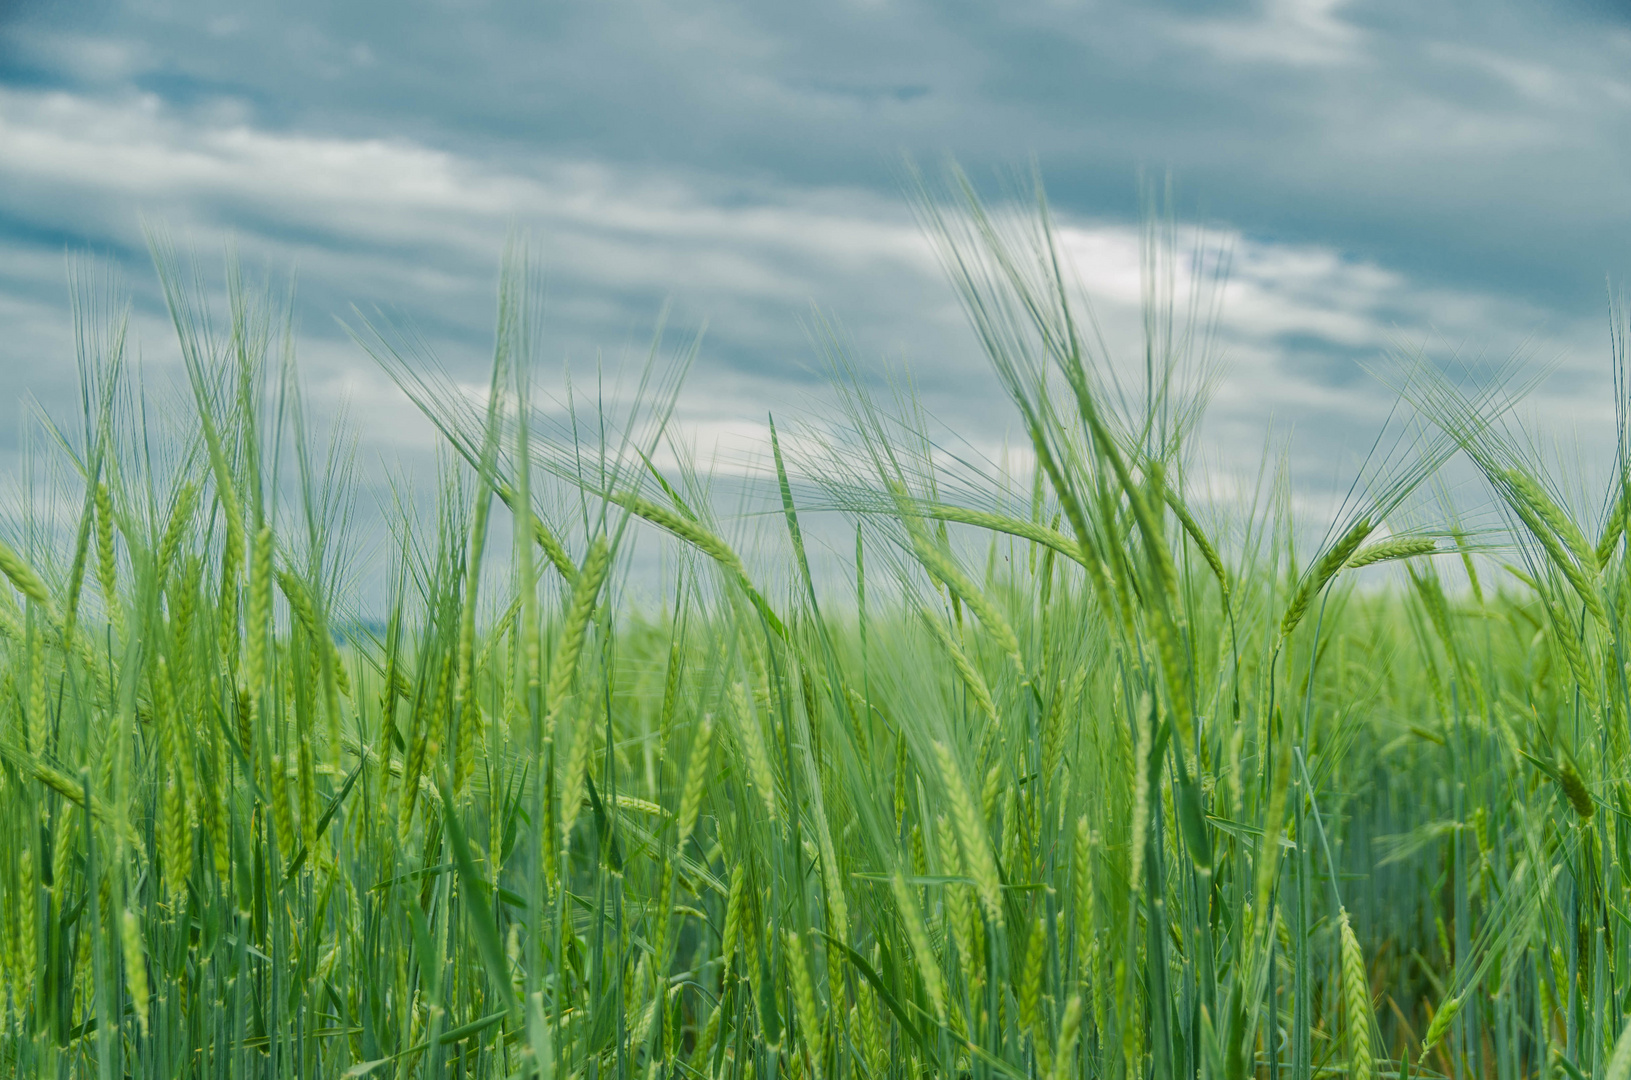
(1387, 169)
(1392, 126)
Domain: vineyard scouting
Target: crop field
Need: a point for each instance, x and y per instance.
(1073, 772)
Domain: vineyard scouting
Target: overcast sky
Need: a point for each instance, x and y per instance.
(1449, 174)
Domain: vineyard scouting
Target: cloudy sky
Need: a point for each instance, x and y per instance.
(1452, 175)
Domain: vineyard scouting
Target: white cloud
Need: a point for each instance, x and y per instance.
(398, 222)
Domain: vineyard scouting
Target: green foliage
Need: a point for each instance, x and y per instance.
(1144, 796)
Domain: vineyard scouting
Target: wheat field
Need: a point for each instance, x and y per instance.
(1077, 773)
